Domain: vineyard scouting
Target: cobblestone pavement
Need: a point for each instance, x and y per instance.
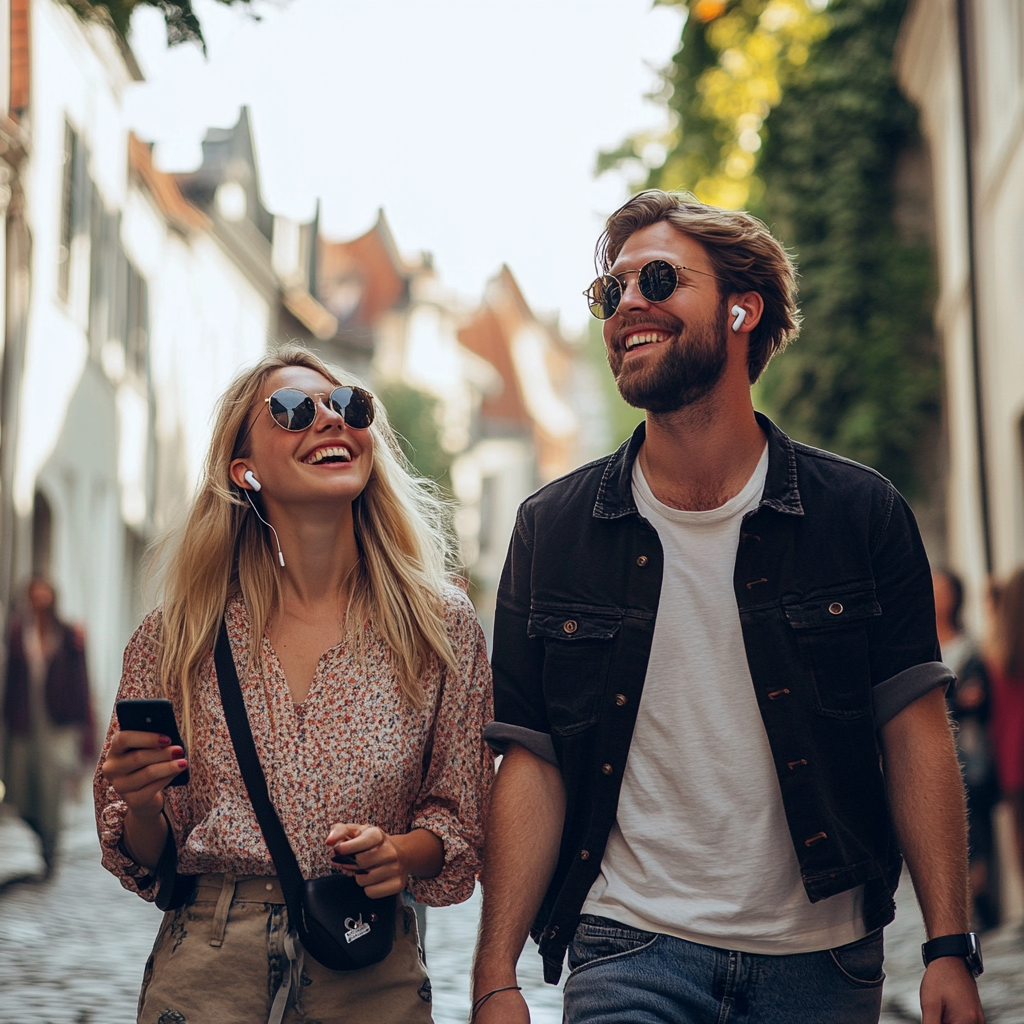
(72, 949)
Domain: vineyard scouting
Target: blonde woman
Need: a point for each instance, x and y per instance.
(365, 680)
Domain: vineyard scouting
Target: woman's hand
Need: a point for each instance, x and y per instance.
(139, 765)
(384, 863)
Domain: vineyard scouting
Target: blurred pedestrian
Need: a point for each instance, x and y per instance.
(969, 706)
(1007, 674)
(46, 711)
(365, 681)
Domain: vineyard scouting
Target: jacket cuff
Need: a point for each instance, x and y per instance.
(892, 695)
(500, 734)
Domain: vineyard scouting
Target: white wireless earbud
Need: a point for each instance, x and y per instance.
(737, 311)
(250, 478)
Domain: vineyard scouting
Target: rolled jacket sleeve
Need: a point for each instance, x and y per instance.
(905, 658)
(520, 711)
(452, 801)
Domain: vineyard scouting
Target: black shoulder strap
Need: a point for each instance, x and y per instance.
(252, 774)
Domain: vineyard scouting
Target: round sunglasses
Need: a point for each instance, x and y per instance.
(293, 409)
(656, 281)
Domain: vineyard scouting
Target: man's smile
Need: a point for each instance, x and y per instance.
(645, 337)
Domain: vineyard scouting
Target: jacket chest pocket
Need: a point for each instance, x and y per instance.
(577, 652)
(832, 637)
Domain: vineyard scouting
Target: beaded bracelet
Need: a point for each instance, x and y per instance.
(483, 999)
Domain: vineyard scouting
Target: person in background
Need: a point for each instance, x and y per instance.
(46, 711)
(969, 706)
(1006, 670)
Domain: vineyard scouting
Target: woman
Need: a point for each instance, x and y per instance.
(47, 711)
(969, 706)
(366, 683)
(1006, 670)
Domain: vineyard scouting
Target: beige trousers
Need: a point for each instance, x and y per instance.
(227, 958)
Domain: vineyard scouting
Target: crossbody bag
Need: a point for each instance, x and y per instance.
(336, 922)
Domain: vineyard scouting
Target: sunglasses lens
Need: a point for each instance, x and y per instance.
(355, 405)
(292, 409)
(604, 296)
(657, 280)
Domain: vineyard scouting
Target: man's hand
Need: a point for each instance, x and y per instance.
(949, 994)
(524, 831)
(926, 794)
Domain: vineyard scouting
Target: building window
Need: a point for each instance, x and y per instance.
(42, 536)
(136, 338)
(67, 211)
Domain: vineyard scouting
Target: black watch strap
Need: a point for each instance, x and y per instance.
(964, 945)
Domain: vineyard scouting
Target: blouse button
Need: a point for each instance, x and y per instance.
(835, 608)
(269, 886)
(570, 626)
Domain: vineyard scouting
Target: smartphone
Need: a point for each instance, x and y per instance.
(153, 715)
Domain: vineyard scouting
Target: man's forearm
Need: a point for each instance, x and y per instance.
(926, 796)
(523, 836)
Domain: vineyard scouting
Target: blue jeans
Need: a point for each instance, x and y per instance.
(621, 975)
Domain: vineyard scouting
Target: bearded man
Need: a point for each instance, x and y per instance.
(718, 689)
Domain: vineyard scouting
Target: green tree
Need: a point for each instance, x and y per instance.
(414, 416)
(809, 94)
(182, 24)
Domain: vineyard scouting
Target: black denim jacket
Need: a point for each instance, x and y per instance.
(835, 602)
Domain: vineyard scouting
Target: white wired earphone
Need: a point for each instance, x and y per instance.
(738, 312)
(250, 478)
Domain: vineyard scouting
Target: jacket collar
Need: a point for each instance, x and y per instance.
(615, 493)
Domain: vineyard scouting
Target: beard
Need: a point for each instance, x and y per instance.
(687, 369)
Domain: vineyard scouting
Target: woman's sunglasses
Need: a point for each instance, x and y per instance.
(656, 280)
(293, 409)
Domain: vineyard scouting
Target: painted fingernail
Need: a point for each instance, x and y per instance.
(164, 740)
(183, 763)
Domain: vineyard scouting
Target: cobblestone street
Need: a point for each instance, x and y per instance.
(72, 950)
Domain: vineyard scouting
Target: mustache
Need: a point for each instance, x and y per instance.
(651, 321)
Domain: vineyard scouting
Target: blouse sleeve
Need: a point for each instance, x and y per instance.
(453, 800)
(138, 679)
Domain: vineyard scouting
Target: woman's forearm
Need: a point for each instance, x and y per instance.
(421, 853)
(144, 838)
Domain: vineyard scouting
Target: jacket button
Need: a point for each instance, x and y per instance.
(835, 608)
(584, 855)
(570, 626)
(642, 561)
(621, 700)
(815, 839)
(606, 769)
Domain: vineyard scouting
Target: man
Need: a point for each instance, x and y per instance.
(717, 685)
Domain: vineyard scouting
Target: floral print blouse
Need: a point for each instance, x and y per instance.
(354, 750)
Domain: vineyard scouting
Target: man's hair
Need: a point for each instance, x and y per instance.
(743, 254)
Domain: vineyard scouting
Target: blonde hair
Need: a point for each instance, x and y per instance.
(403, 533)
(742, 251)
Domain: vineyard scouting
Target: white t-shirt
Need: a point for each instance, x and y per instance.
(701, 849)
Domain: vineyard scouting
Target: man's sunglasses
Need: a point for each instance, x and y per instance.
(293, 409)
(656, 280)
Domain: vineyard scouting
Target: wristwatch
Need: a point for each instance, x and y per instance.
(965, 945)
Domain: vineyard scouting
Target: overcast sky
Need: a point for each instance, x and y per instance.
(474, 123)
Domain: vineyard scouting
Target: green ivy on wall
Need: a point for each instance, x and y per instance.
(863, 378)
